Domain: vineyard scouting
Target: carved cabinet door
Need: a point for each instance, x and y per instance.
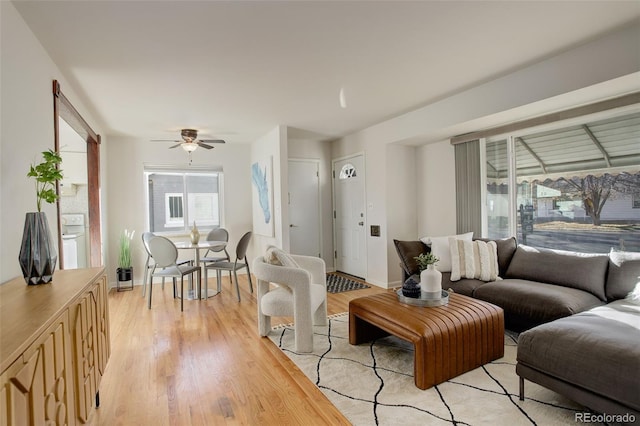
(85, 343)
(37, 389)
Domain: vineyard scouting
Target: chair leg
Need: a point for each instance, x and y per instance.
(219, 279)
(235, 275)
(150, 290)
(206, 289)
(182, 293)
(144, 279)
(249, 275)
(206, 279)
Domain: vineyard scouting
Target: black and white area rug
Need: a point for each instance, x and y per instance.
(372, 384)
(339, 283)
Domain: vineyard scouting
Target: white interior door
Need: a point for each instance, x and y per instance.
(349, 216)
(304, 207)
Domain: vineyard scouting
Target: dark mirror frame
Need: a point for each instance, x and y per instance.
(64, 109)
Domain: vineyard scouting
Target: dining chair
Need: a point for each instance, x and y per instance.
(148, 266)
(165, 255)
(239, 263)
(217, 234)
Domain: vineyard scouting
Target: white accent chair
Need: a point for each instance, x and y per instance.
(301, 293)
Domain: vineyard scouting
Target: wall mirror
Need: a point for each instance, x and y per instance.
(79, 222)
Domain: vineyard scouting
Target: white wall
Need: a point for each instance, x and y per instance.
(321, 151)
(603, 68)
(26, 117)
(403, 205)
(273, 144)
(436, 192)
(128, 210)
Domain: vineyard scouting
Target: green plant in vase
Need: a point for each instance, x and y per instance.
(46, 174)
(425, 259)
(430, 277)
(125, 270)
(38, 254)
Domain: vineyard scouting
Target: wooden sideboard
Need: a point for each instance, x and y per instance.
(54, 347)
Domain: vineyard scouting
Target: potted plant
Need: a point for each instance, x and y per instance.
(430, 277)
(38, 254)
(125, 270)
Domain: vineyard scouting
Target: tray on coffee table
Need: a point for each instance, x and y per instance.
(444, 299)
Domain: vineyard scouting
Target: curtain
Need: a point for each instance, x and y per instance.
(468, 188)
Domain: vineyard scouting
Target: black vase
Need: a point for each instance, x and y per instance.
(411, 287)
(124, 274)
(38, 255)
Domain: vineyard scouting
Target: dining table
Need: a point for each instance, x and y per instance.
(208, 245)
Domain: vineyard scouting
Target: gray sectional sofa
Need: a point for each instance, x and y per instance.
(579, 335)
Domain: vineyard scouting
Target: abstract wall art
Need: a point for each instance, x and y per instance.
(262, 184)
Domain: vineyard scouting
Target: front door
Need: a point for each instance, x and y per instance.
(304, 207)
(349, 216)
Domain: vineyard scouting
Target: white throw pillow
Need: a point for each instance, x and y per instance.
(634, 296)
(473, 260)
(440, 249)
(277, 256)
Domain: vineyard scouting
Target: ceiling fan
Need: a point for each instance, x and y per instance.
(190, 141)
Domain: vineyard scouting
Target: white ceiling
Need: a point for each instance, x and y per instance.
(237, 69)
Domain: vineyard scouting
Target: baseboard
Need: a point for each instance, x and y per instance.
(378, 283)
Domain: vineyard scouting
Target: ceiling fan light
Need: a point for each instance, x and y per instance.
(189, 147)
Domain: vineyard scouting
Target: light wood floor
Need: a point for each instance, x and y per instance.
(206, 365)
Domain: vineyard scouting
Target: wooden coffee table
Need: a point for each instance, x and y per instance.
(448, 340)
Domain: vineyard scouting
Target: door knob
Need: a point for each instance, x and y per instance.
(291, 225)
(361, 223)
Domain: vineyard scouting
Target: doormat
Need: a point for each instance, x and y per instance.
(339, 283)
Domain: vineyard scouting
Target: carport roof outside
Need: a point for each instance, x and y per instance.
(596, 147)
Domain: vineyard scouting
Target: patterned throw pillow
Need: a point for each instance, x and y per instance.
(473, 260)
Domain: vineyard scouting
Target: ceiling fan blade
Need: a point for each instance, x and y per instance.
(175, 146)
(164, 140)
(211, 140)
(204, 145)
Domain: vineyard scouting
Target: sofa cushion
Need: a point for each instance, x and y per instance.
(440, 248)
(527, 304)
(624, 274)
(506, 249)
(407, 251)
(464, 286)
(595, 350)
(584, 271)
(473, 259)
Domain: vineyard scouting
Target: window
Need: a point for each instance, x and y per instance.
(348, 171)
(497, 194)
(177, 199)
(573, 186)
(174, 212)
